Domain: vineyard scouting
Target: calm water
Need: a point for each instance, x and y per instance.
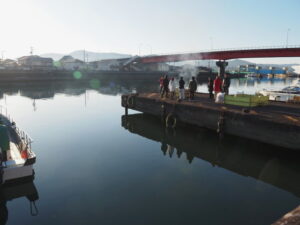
(96, 167)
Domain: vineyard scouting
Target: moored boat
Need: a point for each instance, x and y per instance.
(17, 157)
(290, 93)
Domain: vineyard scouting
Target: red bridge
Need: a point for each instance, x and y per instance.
(224, 55)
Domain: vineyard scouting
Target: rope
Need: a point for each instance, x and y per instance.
(33, 209)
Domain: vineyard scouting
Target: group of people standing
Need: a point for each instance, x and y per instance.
(167, 86)
(218, 85)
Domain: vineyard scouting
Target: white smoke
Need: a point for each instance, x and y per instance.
(188, 71)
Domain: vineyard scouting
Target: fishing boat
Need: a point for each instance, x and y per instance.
(290, 93)
(16, 156)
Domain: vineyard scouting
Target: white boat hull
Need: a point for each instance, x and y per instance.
(14, 173)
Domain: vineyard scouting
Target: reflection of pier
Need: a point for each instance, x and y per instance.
(241, 156)
(13, 191)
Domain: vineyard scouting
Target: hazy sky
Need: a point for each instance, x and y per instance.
(160, 26)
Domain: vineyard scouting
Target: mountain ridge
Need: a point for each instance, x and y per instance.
(89, 55)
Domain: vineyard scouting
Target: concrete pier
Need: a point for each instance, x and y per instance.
(276, 124)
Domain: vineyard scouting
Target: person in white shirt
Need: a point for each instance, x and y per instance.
(172, 87)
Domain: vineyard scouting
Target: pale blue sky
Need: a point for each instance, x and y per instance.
(163, 26)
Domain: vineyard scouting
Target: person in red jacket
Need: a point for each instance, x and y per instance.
(217, 85)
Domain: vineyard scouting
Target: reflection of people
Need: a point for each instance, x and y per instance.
(210, 86)
(181, 88)
(192, 87)
(226, 84)
(170, 150)
(165, 87)
(217, 85)
(172, 87)
(179, 152)
(164, 147)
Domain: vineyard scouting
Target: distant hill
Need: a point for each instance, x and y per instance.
(90, 56)
(54, 56)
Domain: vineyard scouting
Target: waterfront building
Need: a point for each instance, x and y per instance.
(8, 64)
(108, 64)
(35, 62)
(70, 63)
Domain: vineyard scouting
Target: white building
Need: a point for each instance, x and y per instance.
(35, 61)
(108, 64)
(70, 63)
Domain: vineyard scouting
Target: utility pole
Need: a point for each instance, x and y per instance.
(31, 50)
(2, 54)
(83, 55)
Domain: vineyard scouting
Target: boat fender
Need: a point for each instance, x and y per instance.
(171, 120)
(131, 101)
(163, 112)
(24, 154)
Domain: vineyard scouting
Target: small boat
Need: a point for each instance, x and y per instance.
(286, 94)
(16, 156)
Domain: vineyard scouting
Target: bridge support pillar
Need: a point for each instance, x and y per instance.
(222, 65)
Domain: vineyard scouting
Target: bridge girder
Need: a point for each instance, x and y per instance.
(224, 55)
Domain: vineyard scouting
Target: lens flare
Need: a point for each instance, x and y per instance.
(77, 75)
(95, 84)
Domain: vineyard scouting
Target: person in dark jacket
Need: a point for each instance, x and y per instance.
(210, 86)
(181, 88)
(226, 84)
(192, 87)
(165, 87)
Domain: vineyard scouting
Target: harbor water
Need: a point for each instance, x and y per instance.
(95, 168)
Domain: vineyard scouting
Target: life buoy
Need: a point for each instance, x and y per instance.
(171, 120)
(131, 101)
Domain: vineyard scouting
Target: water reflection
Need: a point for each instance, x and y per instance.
(247, 158)
(47, 90)
(12, 191)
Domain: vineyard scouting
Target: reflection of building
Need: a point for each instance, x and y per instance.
(70, 63)
(35, 62)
